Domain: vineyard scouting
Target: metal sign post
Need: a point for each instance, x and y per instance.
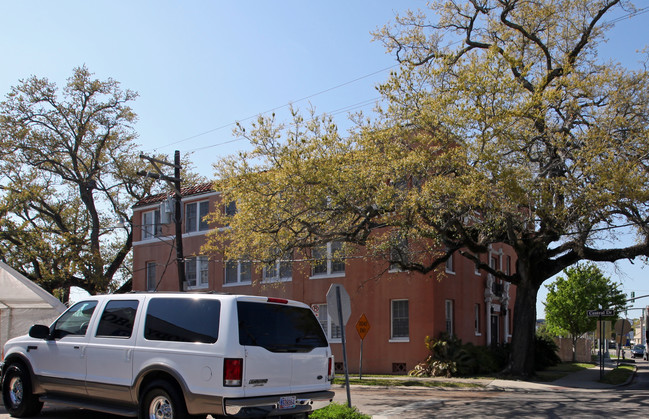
(603, 344)
(338, 301)
(362, 327)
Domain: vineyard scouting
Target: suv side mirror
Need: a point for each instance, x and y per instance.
(38, 331)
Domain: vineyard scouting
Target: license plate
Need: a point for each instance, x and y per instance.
(287, 402)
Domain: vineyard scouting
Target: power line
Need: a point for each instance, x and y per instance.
(277, 108)
(340, 110)
(629, 15)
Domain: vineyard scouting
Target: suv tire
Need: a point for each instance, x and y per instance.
(162, 401)
(17, 393)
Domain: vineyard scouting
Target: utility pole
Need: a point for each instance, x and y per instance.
(175, 181)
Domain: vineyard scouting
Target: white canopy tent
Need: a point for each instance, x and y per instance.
(22, 304)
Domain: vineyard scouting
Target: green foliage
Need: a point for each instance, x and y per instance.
(584, 288)
(619, 375)
(450, 357)
(545, 353)
(338, 411)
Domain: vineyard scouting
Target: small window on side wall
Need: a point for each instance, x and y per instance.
(400, 320)
(230, 208)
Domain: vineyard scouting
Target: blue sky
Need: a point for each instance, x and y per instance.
(201, 65)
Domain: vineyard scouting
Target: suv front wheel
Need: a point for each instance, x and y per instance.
(17, 393)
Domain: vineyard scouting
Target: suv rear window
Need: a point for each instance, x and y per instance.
(279, 328)
(183, 320)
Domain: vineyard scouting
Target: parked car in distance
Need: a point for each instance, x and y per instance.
(638, 351)
(173, 355)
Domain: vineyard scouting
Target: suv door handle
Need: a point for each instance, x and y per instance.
(82, 349)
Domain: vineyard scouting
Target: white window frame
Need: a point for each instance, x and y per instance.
(448, 315)
(199, 266)
(241, 270)
(282, 271)
(230, 209)
(332, 331)
(395, 317)
(400, 251)
(202, 208)
(450, 265)
(151, 278)
(151, 227)
(330, 260)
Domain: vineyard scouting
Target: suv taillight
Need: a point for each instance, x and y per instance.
(330, 368)
(277, 300)
(232, 372)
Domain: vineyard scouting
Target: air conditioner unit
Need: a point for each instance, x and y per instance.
(167, 211)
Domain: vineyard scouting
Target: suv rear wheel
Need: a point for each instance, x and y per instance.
(17, 393)
(162, 401)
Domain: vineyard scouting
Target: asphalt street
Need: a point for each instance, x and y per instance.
(576, 396)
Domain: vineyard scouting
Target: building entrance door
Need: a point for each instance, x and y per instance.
(494, 330)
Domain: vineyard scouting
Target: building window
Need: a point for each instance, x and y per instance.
(508, 265)
(195, 216)
(477, 320)
(399, 253)
(332, 330)
(279, 271)
(238, 272)
(449, 317)
(151, 281)
(399, 319)
(196, 272)
(450, 267)
(328, 260)
(231, 208)
(151, 226)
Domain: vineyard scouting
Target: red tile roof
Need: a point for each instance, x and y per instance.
(186, 191)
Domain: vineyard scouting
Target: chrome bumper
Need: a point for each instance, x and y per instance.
(269, 405)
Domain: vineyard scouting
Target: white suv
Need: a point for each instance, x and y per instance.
(176, 355)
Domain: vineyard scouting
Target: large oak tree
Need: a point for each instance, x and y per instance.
(502, 124)
(67, 181)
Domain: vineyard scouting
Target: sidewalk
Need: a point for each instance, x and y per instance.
(587, 379)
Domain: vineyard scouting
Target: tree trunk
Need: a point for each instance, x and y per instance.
(574, 349)
(521, 362)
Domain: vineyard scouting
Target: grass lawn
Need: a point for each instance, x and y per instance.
(618, 375)
(561, 370)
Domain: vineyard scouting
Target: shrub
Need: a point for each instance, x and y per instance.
(450, 357)
(338, 411)
(545, 352)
